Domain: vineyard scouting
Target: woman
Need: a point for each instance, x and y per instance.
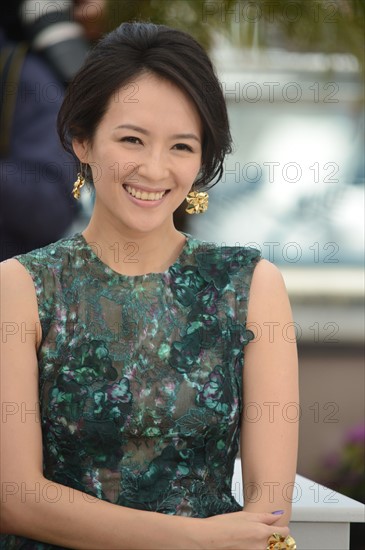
(132, 335)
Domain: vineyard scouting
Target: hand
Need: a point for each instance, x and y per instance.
(239, 531)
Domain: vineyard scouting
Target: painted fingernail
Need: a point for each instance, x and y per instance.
(278, 512)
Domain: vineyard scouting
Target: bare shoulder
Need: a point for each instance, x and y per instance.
(18, 295)
(16, 282)
(267, 273)
(268, 294)
(267, 278)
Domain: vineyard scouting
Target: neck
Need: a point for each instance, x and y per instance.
(132, 252)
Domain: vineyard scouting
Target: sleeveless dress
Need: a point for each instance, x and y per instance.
(140, 377)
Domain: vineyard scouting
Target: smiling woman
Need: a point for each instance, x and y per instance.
(141, 332)
(144, 158)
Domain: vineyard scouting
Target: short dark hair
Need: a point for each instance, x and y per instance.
(135, 48)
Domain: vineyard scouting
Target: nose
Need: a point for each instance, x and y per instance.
(153, 167)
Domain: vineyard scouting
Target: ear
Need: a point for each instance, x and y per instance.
(81, 150)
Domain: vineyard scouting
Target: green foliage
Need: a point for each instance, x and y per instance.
(307, 26)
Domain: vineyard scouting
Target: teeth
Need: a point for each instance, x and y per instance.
(145, 196)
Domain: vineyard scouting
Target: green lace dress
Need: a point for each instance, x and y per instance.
(140, 377)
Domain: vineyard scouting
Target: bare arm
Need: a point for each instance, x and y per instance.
(271, 398)
(36, 508)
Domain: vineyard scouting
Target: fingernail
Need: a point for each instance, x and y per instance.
(278, 512)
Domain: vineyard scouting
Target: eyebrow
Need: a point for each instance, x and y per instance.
(146, 133)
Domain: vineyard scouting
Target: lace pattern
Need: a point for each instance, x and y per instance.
(140, 377)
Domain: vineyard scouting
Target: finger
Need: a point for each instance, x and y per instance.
(283, 531)
(262, 517)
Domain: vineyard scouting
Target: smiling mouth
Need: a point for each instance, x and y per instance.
(144, 195)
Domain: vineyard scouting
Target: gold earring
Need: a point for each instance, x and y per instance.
(78, 184)
(197, 202)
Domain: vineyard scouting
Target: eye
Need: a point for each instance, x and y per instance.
(131, 139)
(183, 147)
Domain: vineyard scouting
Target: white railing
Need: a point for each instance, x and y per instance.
(321, 517)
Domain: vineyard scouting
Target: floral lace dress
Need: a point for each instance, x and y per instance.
(140, 377)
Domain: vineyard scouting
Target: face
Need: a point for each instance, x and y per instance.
(145, 154)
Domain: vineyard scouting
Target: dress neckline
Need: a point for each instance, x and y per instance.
(93, 257)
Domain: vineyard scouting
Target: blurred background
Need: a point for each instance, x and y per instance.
(293, 76)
